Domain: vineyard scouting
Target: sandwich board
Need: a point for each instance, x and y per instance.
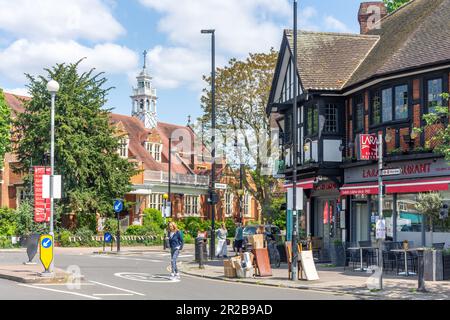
(308, 266)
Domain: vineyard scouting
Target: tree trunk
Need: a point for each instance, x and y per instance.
(431, 231)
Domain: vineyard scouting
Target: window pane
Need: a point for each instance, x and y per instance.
(434, 94)
(376, 108)
(331, 118)
(359, 112)
(315, 120)
(386, 102)
(401, 102)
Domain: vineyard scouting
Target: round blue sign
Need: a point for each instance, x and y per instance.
(118, 206)
(107, 237)
(46, 243)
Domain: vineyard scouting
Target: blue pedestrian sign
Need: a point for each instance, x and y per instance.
(118, 206)
(107, 237)
(46, 243)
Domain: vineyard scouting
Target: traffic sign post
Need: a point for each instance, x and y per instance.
(220, 186)
(118, 207)
(391, 172)
(107, 238)
(46, 253)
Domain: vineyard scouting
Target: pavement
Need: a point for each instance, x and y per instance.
(333, 280)
(140, 273)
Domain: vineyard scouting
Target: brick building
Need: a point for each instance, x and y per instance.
(380, 81)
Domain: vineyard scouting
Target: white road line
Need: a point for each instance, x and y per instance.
(60, 291)
(112, 294)
(63, 284)
(117, 288)
(124, 258)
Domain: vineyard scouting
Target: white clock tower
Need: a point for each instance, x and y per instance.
(144, 98)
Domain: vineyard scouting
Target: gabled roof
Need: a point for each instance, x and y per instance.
(415, 35)
(15, 102)
(327, 60)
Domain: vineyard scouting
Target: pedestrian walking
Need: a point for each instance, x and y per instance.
(222, 241)
(176, 245)
(239, 238)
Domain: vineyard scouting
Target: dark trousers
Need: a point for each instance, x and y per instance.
(173, 261)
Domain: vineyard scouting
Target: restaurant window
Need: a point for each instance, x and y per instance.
(191, 205)
(331, 118)
(409, 219)
(434, 94)
(359, 112)
(288, 129)
(401, 102)
(386, 104)
(312, 125)
(376, 108)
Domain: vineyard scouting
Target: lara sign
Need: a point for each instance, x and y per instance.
(367, 146)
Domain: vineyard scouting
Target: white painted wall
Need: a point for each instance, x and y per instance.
(331, 150)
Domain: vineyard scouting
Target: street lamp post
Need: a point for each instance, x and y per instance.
(53, 88)
(213, 138)
(166, 197)
(294, 241)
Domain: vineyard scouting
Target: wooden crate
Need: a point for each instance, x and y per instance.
(229, 270)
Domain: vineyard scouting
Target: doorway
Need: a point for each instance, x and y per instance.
(361, 213)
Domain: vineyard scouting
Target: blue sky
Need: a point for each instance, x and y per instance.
(112, 34)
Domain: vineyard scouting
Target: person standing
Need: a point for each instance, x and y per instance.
(176, 245)
(239, 238)
(222, 241)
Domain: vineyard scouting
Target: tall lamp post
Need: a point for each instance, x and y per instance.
(295, 152)
(213, 138)
(53, 88)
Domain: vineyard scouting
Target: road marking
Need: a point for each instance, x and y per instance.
(117, 288)
(61, 284)
(113, 294)
(60, 291)
(124, 258)
(145, 277)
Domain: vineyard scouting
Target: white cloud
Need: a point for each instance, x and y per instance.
(62, 19)
(31, 57)
(333, 24)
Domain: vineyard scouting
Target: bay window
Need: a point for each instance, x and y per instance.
(390, 104)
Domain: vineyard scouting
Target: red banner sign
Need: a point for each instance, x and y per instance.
(367, 147)
(41, 206)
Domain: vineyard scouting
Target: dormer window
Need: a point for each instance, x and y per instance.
(154, 149)
(123, 147)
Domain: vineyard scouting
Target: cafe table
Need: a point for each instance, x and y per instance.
(405, 252)
(361, 268)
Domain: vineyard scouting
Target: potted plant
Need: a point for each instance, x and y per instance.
(337, 253)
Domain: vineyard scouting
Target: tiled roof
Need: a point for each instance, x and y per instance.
(327, 60)
(415, 35)
(15, 102)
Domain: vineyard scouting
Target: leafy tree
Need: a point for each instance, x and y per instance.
(8, 225)
(276, 215)
(85, 144)
(435, 122)
(25, 220)
(393, 5)
(242, 93)
(429, 204)
(5, 128)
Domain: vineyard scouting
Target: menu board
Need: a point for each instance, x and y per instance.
(41, 205)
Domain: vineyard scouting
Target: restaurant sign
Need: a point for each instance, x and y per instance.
(411, 169)
(366, 146)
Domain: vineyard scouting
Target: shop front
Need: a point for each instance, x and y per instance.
(403, 219)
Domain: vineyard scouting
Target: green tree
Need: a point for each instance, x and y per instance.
(393, 5)
(429, 204)
(242, 93)
(85, 145)
(5, 128)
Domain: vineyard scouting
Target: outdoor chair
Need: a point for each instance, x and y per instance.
(352, 257)
(369, 255)
(389, 257)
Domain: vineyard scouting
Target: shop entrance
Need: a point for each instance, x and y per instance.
(324, 224)
(361, 214)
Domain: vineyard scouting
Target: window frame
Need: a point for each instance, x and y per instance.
(355, 112)
(427, 88)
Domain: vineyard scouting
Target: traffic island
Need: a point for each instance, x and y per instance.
(32, 274)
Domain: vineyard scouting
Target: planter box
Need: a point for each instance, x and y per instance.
(433, 265)
(337, 255)
(446, 266)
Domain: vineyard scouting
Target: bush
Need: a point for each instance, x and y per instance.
(64, 238)
(86, 235)
(231, 227)
(87, 221)
(25, 221)
(8, 225)
(136, 231)
(110, 225)
(153, 216)
(188, 238)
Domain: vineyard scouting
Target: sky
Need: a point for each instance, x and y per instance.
(113, 34)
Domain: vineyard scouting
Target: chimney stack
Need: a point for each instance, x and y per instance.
(370, 14)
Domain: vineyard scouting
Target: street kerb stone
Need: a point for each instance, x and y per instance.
(31, 274)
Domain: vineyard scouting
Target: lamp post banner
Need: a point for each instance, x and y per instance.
(41, 205)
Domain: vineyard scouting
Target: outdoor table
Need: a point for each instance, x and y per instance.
(406, 273)
(361, 268)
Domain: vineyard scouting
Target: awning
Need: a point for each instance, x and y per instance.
(141, 192)
(305, 184)
(401, 186)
